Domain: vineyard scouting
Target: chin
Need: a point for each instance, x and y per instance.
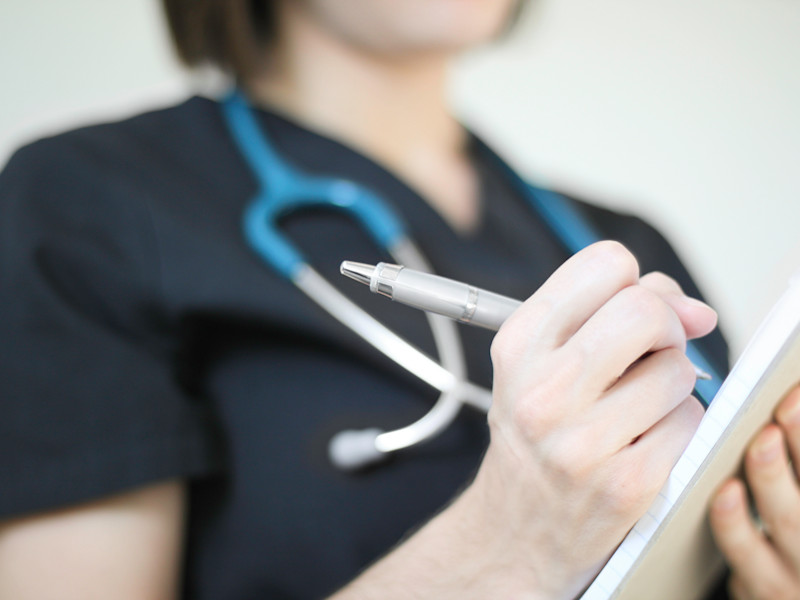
(414, 26)
(457, 24)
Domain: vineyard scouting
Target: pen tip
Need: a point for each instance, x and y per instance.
(359, 271)
(700, 374)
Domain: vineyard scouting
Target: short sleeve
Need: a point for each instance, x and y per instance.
(91, 404)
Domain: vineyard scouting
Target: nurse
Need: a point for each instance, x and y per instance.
(168, 398)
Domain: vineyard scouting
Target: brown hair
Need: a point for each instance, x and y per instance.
(224, 33)
(231, 34)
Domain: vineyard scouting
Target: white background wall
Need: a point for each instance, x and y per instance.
(686, 112)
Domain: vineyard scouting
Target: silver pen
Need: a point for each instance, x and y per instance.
(459, 301)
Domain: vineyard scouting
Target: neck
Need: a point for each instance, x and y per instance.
(391, 108)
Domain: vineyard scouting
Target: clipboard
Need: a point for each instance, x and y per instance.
(670, 554)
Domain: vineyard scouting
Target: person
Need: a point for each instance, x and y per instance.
(168, 397)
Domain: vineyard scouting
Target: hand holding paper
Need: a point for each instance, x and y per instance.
(591, 409)
(670, 553)
(765, 562)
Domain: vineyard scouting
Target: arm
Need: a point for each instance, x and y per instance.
(765, 563)
(591, 409)
(126, 547)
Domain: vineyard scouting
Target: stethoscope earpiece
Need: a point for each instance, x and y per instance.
(351, 450)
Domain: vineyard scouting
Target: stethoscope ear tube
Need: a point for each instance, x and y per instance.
(351, 450)
(284, 188)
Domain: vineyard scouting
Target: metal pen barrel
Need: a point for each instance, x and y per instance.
(454, 299)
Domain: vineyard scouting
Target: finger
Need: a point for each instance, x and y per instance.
(697, 317)
(661, 283)
(788, 416)
(575, 291)
(775, 491)
(631, 324)
(645, 394)
(649, 459)
(749, 554)
(737, 589)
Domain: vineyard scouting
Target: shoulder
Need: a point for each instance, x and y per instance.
(101, 179)
(75, 208)
(108, 147)
(91, 402)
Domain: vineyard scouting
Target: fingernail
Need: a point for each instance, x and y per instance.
(727, 499)
(767, 448)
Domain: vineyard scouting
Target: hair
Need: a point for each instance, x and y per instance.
(231, 34)
(228, 34)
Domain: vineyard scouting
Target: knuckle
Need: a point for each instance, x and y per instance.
(777, 590)
(536, 414)
(618, 258)
(686, 372)
(658, 280)
(568, 458)
(649, 310)
(518, 335)
(642, 302)
(512, 341)
(633, 490)
(505, 346)
(682, 373)
(633, 495)
(542, 406)
(695, 411)
(787, 522)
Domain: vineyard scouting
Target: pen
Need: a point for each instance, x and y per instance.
(459, 301)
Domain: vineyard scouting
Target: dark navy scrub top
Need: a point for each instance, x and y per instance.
(142, 340)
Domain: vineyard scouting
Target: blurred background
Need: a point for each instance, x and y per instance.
(684, 112)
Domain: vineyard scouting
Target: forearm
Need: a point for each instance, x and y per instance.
(576, 456)
(496, 540)
(454, 556)
(121, 547)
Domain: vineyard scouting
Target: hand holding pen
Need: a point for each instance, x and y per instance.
(459, 301)
(591, 408)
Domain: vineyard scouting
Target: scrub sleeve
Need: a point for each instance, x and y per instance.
(90, 406)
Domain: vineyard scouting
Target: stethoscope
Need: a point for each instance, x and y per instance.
(284, 188)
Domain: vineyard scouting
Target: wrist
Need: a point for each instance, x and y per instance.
(491, 549)
(455, 556)
(519, 539)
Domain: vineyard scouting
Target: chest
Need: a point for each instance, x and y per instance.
(281, 377)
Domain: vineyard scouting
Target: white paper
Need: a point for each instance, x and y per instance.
(771, 336)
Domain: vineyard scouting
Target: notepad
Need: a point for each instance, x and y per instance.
(669, 554)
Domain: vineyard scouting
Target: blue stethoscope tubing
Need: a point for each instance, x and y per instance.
(284, 188)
